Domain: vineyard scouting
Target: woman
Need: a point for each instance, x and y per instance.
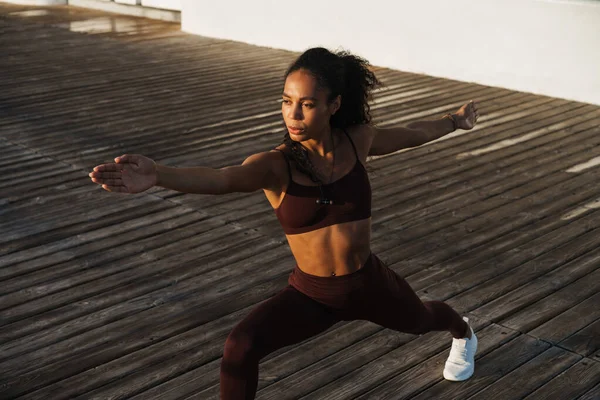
(318, 186)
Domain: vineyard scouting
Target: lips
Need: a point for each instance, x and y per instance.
(295, 131)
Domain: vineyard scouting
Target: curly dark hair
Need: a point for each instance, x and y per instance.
(342, 74)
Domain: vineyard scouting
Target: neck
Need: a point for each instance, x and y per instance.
(323, 145)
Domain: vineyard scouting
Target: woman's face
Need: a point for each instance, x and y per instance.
(305, 109)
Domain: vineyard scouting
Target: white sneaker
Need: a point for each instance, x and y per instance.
(461, 362)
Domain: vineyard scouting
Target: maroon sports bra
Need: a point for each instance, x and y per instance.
(299, 211)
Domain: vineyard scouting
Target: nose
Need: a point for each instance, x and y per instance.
(295, 112)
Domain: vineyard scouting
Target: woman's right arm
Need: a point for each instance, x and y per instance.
(256, 172)
(133, 173)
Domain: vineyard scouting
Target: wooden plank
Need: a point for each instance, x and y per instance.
(126, 125)
(572, 383)
(22, 172)
(408, 380)
(593, 394)
(56, 183)
(339, 364)
(51, 203)
(426, 225)
(204, 279)
(96, 214)
(209, 64)
(165, 225)
(13, 262)
(586, 341)
(196, 379)
(32, 194)
(490, 131)
(490, 369)
(508, 163)
(494, 120)
(137, 335)
(370, 351)
(508, 182)
(513, 156)
(202, 73)
(151, 292)
(549, 307)
(503, 253)
(570, 321)
(518, 383)
(59, 308)
(458, 238)
(152, 360)
(19, 263)
(394, 214)
(139, 379)
(218, 58)
(503, 294)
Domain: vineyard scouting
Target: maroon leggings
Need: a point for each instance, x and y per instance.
(310, 304)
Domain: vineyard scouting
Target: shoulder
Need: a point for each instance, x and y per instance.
(266, 162)
(362, 137)
(276, 163)
(270, 160)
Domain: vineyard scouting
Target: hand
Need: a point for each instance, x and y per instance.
(466, 117)
(130, 173)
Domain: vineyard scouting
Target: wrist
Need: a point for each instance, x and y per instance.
(158, 174)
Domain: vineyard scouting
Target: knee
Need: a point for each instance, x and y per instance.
(240, 348)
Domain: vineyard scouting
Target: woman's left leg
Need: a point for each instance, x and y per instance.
(389, 301)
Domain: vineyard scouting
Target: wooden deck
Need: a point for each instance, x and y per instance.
(110, 296)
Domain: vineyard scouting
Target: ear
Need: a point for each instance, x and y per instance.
(335, 104)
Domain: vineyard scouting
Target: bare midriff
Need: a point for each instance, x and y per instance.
(334, 250)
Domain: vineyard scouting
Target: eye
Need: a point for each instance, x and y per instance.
(308, 105)
(286, 101)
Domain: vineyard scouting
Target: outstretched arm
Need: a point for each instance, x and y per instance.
(134, 173)
(255, 173)
(389, 140)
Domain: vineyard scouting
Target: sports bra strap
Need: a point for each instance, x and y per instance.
(287, 161)
(352, 143)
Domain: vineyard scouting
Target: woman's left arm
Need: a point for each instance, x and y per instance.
(389, 140)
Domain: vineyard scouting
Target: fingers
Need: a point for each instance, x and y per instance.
(105, 175)
(108, 167)
(121, 189)
(112, 179)
(109, 182)
(128, 158)
(111, 185)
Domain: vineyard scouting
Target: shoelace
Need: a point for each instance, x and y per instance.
(459, 350)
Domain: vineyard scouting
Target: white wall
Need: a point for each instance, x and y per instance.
(540, 46)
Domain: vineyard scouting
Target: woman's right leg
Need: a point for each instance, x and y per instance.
(287, 318)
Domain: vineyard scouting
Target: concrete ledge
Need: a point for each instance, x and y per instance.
(137, 11)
